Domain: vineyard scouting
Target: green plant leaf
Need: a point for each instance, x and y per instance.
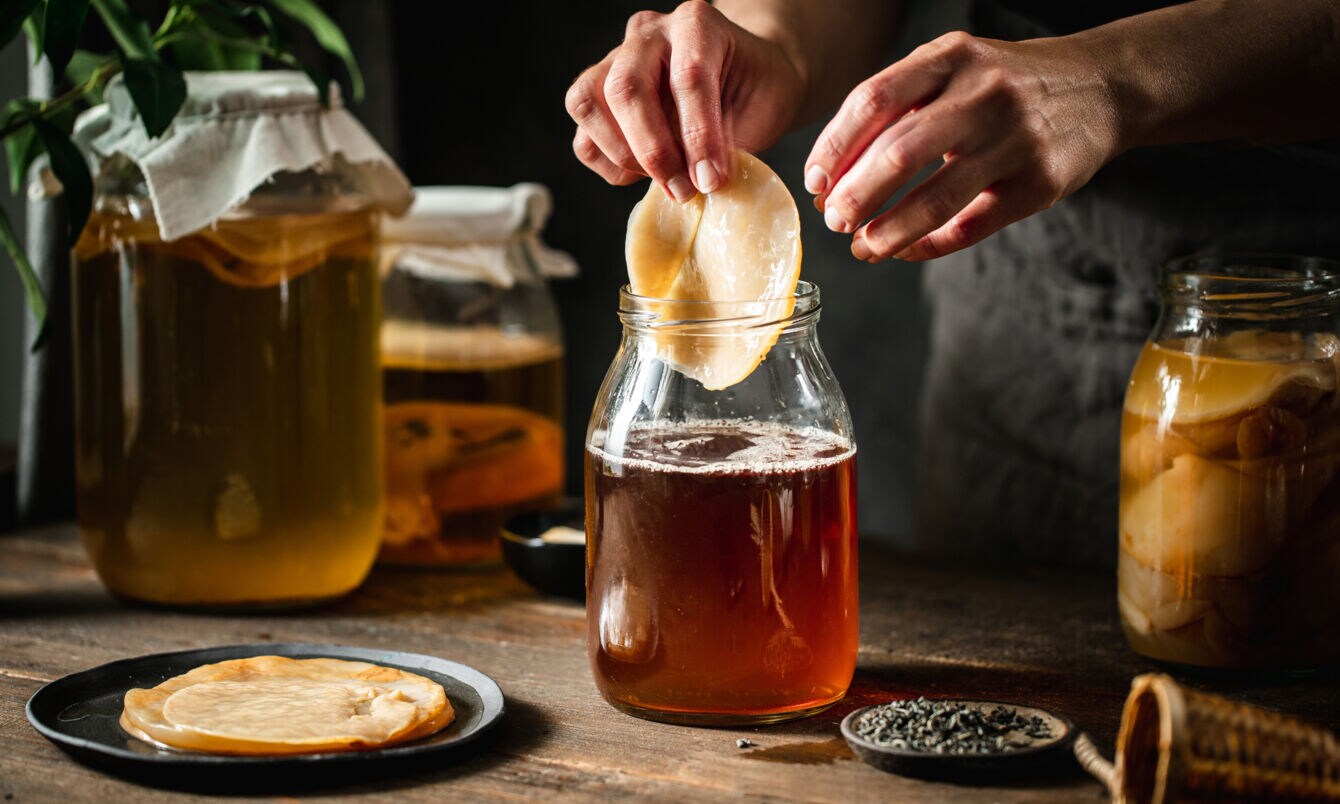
(254, 19)
(21, 147)
(62, 22)
(329, 36)
(83, 64)
(130, 33)
(69, 166)
(199, 42)
(158, 91)
(32, 288)
(12, 15)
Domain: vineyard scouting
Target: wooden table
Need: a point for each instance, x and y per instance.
(1019, 633)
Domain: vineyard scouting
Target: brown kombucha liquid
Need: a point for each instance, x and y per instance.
(227, 406)
(472, 438)
(721, 571)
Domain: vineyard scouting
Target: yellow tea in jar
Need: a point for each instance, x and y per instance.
(472, 437)
(228, 429)
(1229, 507)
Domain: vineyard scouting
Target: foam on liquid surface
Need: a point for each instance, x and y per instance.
(708, 447)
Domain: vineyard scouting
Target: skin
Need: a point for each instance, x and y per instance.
(1013, 126)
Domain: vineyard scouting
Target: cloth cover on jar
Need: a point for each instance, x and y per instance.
(234, 131)
(463, 234)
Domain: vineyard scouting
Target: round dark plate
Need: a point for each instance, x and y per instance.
(552, 567)
(968, 767)
(80, 712)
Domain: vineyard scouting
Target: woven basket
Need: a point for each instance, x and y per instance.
(1177, 744)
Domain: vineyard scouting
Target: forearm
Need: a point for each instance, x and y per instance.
(832, 45)
(1213, 70)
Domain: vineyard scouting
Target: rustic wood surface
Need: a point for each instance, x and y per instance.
(1028, 634)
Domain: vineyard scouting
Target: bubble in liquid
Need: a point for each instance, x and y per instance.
(237, 514)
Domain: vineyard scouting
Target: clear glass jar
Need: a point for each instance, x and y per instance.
(227, 394)
(472, 355)
(721, 525)
(1230, 497)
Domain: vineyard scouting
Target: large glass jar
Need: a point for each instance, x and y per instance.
(1230, 497)
(227, 394)
(473, 360)
(721, 525)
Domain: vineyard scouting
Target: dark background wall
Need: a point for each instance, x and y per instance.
(13, 83)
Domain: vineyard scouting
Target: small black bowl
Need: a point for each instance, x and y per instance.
(553, 566)
(1030, 762)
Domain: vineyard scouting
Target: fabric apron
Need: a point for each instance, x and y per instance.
(1035, 331)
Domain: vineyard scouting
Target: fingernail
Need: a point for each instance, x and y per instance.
(835, 222)
(819, 203)
(706, 176)
(860, 250)
(906, 255)
(680, 189)
(816, 180)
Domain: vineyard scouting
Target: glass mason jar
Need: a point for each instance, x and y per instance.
(227, 394)
(721, 525)
(1230, 497)
(472, 355)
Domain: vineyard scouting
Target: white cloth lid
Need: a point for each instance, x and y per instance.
(452, 215)
(463, 233)
(236, 130)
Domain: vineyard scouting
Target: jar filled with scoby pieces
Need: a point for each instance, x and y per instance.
(1230, 468)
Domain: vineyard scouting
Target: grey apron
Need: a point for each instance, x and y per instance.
(1035, 331)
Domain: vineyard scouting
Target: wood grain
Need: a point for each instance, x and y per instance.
(1042, 636)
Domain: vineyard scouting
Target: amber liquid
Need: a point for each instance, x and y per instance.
(227, 405)
(472, 438)
(1230, 502)
(721, 572)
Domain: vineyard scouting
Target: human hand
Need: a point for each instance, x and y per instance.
(673, 101)
(1019, 125)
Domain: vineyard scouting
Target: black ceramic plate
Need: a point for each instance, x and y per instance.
(968, 767)
(80, 712)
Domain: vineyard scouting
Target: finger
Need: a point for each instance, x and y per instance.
(633, 92)
(992, 210)
(590, 155)
(927, 207)
(868, 110)
(586, 105)
(696, 58)
(899, 153)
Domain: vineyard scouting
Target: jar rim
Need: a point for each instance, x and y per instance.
(798, 310)
(1253, 266)
(1257, 284)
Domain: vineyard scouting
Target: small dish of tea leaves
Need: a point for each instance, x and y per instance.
(957, 739)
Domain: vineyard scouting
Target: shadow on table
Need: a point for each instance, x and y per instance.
(390, 591)
(522, 729)
(84, 600)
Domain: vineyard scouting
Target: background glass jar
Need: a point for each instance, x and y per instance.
(473, 358)
(721, 525)
(227, 394)
(1230, 495)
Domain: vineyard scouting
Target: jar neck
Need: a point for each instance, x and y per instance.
(793, 316)
(1252, 288)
